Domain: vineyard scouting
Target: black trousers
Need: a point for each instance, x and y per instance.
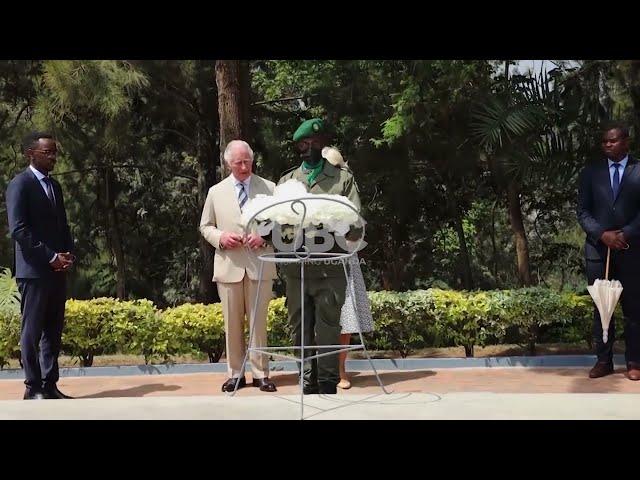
(42, 307)
(625, 267)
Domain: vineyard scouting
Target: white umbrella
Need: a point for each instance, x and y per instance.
(605, 294)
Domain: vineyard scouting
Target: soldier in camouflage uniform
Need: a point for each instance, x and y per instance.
(325, 285)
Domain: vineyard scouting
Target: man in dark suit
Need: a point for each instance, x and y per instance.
(43, 245)
(609, 212)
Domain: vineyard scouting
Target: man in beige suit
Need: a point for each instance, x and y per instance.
(236, 266)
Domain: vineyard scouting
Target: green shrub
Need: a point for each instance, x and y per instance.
(531, 309)
(468, 318)
(278, 327)
(134, 327)
(86, 330)
(402, 320)
(9, 337)
(194, 328)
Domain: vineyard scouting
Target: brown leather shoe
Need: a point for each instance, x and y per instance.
(601, 369)
(633, 370)
(265, 384)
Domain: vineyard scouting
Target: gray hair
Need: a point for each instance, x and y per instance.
(231, 144)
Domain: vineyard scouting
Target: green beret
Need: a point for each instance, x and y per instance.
(309, 128)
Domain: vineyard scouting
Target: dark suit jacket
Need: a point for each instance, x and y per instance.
(38, 229)
(598, 211)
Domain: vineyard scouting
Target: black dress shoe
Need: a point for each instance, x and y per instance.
(32, 395)
(327, 388)
(230, 384)
(52, 393)
(310, 389)
(265, 384)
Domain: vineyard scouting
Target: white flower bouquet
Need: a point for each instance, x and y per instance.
(321, 209)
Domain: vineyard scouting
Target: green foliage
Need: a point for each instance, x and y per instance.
(86, 331)
(468, 318)
(194, 328)
(531, 309)
(135, 327)
(9, 293)
(9, 336)
(107, 325)
(402, 320)
(431, 144)
(100, 86)
(278, 327)
(9, 318)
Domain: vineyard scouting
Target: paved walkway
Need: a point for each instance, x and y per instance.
(461, 393)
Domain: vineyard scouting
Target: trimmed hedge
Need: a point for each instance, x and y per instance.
(404, 322)
(105, 325)
(194, 328)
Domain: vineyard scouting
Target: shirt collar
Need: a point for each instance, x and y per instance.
(622, 162)
(246, 183)
(39, 175)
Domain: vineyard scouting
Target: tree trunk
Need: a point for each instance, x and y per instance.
(232, 80)
(113, 234)
(468, 351)
(519, 234)
(245, 101)
(465, 261)
(531, 341)
(494, 254)
(87, 359)
(394, 268)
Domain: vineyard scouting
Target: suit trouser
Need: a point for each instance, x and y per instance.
(237, 301)
(323, 299)
(42, 307)
(625, 267)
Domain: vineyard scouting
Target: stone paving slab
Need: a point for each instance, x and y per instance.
(460, 393)
(396, 406)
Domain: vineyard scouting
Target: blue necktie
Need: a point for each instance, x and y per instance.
(615, 185)
(47, 182)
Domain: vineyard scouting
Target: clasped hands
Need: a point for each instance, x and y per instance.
(615, 240)
(230, 240)
(63, 262)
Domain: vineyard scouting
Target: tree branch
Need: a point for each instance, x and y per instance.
(141, 167)
(171, 130)
(285, 99)
(15, 123)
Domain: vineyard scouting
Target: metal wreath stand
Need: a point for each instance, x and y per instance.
(302, 256)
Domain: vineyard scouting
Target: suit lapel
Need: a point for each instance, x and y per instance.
(230, 188)
(629, 170)
(37, 187)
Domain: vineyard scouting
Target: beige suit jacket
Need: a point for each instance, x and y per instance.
(221, 213)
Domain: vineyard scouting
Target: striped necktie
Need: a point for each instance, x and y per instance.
(242, 196)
